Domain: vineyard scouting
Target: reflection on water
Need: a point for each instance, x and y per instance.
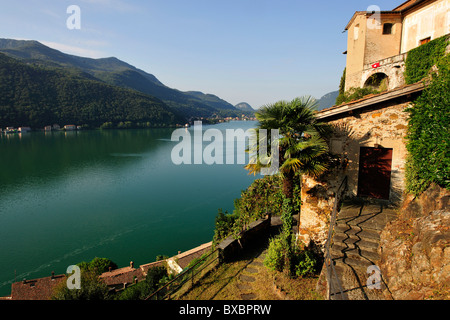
(69, 197)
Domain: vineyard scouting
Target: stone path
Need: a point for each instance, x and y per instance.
(247, 277)
(355, 244)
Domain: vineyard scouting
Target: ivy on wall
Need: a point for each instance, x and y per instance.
(428, 139)
(421, 59)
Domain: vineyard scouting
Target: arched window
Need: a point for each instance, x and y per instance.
(387, 28)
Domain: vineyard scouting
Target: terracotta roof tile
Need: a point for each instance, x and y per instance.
(37, 289)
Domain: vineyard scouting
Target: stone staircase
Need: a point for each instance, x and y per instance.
(355, 247)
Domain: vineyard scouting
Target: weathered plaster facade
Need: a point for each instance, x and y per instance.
(428, 20)
(385, 37)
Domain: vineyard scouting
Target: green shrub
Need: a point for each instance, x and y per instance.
(97, 265)
(224, 225)
(145, 288)
(354, 94)
(305, 263)
(420, 60)
(428, 139)
(263, 195)
(92, 288)
(107, 125)
(161, 257)
(276, 254)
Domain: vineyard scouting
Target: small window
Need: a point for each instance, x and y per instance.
(387, 28)
(426, 40)
(356, 32)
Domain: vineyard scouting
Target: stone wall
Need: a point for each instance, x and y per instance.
(231, 248)
(382, 126)
(415, 249)
(393, 67)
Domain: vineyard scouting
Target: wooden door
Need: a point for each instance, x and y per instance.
(375, 165)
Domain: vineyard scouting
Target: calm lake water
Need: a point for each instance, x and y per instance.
(70, 197)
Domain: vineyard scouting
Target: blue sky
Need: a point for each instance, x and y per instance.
(257, 51)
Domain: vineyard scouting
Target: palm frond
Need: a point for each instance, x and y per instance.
(302, 147)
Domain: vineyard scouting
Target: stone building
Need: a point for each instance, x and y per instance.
(370, 133)
(379, 40)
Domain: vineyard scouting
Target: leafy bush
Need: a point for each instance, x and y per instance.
(280, 253)
(354, 94)
(428, 139)
(276, 254)
(224, 225)
(97, 265)
(92, 288)
(143, 289)
(305, 263)
(420, 60)
(298, 262)
(107, 125)
(262, 196)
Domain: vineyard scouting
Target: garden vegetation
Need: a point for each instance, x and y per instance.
(428, 139)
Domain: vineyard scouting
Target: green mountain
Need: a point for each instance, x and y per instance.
(244, 106)
(116, 72)
(36, 96)
(328, 100)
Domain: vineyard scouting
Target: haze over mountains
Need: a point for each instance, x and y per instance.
(244, 106)
(115, 72)
(328, 100)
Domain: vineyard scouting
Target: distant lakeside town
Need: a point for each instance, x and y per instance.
(121, 125)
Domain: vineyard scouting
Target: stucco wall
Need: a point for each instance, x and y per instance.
(366, 43)
(432, 20)
(355, 51)
(380, 46)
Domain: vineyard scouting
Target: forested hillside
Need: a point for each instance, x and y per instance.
(37, 96)
(119, 73)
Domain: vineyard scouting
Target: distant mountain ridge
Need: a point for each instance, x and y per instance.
(36, 96)
(328, 100)
(244, 106)
(119, 73)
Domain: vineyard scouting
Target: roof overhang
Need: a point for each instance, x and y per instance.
(369, 101)
(400, 10)
(408, 5)
(357, 13)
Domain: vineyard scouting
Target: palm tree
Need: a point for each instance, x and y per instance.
(302, 147)
(302, 151)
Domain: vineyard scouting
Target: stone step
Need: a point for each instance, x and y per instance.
(357, 232)
(335, 286)
(355, 262)
(367, 217)
(354, 282)
(355, 246)
(356, 251)
(356, 242)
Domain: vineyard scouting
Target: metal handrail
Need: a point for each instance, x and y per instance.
(190, 270)
(331, 270)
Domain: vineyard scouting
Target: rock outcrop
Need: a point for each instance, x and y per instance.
(415, 248)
